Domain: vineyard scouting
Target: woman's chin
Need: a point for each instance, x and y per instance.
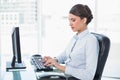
(73, 30)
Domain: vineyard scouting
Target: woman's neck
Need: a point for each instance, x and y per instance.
(82, 30)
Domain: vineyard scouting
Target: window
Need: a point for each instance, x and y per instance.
(24, 15)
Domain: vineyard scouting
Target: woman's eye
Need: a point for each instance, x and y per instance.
(73, 20)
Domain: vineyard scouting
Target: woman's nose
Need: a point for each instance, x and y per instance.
(70, 24)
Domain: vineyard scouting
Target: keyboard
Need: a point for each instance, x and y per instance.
(37, 62)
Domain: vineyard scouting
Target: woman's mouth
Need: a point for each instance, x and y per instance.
(72, 27)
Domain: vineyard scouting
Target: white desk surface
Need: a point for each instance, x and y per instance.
(27, 74)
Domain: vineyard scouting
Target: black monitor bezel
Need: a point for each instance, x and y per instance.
(16, 46)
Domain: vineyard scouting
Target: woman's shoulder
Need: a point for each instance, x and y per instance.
(91, 37)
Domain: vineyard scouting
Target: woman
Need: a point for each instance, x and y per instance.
(80, 56)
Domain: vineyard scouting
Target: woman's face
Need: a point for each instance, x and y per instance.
(77, 24)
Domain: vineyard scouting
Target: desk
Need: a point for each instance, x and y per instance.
(27, 74)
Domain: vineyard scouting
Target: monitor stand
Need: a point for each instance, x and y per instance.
(16, 67)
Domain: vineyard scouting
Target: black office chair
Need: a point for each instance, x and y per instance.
(104, 44)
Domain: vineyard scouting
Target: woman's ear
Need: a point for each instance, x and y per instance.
(84, 20)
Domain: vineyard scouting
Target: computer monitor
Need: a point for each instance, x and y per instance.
(16, 62)
(16, 45)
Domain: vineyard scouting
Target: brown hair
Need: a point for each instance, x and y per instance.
(83, 11)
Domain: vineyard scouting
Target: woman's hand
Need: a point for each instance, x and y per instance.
(45, 58)
(53, 62)
(49, 61)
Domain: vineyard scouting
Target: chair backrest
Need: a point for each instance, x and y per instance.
(104, 45)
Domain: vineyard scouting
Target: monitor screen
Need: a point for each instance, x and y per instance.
(16, 44)
(16, 62)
